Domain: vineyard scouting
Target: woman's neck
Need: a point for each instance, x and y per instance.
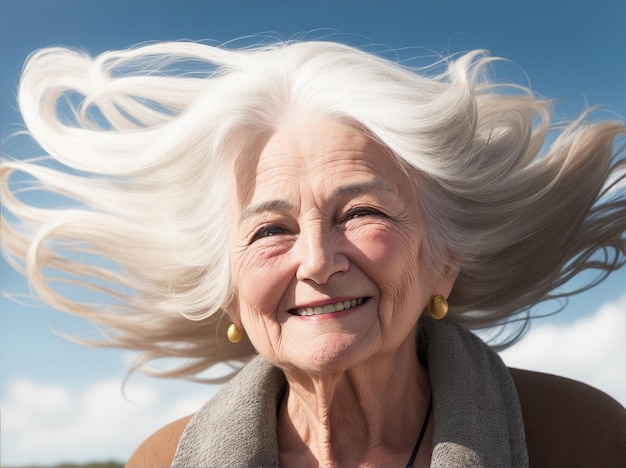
(369, 415)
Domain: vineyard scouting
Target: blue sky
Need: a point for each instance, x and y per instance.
(62, 402)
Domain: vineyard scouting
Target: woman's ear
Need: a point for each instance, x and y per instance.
(445, 283)
(232, 309)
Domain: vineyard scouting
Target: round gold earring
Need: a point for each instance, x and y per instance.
(438, 307)
(234, 334)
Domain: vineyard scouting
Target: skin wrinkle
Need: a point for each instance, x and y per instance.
(377, 444)
(343, 373)
(279, 205)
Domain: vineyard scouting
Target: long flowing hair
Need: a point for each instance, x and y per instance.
(140, 147)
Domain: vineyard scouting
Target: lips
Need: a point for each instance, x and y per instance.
(328, 308)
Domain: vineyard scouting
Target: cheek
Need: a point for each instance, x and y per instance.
(390, 258)
(387, 251)
(260, 279)
(259, 283)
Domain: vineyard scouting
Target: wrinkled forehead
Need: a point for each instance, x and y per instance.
(313, 148)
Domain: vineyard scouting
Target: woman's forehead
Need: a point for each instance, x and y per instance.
(325, 150)
(323, 146)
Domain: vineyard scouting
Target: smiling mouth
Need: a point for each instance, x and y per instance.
(329, 308)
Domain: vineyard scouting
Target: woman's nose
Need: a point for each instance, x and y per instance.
(319, 255)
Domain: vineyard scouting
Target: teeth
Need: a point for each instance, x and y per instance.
(329, 308)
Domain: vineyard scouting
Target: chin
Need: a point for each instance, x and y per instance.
(332, 355)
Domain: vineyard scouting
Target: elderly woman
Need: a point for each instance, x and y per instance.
(321, 206)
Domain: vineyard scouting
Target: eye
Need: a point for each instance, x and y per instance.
(268, 231)
(361, 212)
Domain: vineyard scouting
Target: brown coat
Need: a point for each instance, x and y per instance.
(568, 424)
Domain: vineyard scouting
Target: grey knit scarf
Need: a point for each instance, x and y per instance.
(477, 416)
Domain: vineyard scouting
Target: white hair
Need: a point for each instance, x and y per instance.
(146, 139)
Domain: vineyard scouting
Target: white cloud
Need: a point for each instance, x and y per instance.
(591, 349)
(49, 424)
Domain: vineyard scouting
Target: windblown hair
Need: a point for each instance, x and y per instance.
(144, 142)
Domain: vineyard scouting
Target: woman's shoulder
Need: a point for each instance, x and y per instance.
(158, 450)
(569, 423)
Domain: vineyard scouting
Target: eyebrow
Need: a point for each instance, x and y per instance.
(270, 205)
(361, 187)
(350, 189)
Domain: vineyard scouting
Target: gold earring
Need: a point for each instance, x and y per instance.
(438, 307)
(234, 334)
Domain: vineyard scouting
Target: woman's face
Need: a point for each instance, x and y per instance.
(326, 260)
